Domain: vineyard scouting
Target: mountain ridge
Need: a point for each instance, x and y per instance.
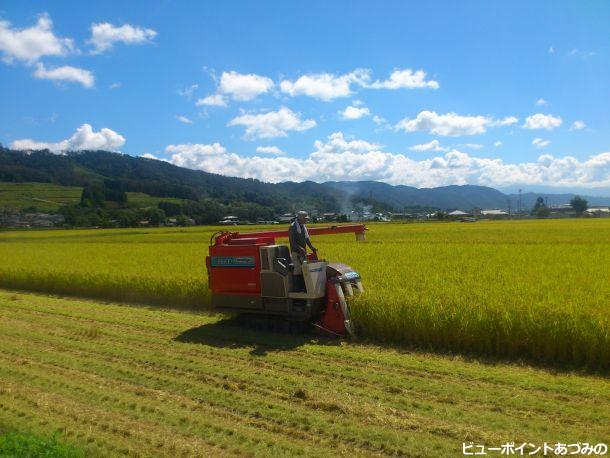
(162, 179)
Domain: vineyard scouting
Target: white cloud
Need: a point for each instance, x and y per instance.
(270, 150)
(30, 44)
(542, 121)
(83, 139)
(328, 86)
(434, 145)
(272, 124)
(381, 122)
(507, 121)
(541, 102)
(184, 119)
(188, 91)
(339, 158)
(215, 100)
(105, 35)
(65, 73)
(498, 143)
(244, 87)
(152, 156)
(551, 50)
(451, 124)
(325, 86)
(192, 155)
(405, 79)
(540, 143)
(575, 52)
(472, 145)
(114, 86)
(578, 125)
(354, 112)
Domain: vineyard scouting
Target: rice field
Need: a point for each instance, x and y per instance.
(537, 290)
(107, 379)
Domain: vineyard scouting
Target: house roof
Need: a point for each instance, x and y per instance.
(458, 213)
(494, 212)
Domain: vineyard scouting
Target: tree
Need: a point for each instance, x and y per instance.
(155, 216)
(92, 195)
(579, 205)
(170, 208)
(540, 208)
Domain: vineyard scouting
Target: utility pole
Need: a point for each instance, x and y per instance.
(508, 202)
(519, 204)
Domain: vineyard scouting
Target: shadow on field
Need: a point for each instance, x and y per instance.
(235, 333)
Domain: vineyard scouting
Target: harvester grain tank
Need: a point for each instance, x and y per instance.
(250, 274)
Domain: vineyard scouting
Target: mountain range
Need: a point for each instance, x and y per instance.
(162, 179)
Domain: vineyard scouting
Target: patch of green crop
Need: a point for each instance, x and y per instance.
(16, 445)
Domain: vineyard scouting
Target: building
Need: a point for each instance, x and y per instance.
(458, 214)
(494, 213)
(229, 220)
(286, 218)
(598, 212)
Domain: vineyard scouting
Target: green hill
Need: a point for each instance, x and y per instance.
(50, 197)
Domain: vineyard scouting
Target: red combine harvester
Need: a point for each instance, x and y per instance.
(250, 274)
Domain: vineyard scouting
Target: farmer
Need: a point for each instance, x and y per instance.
(299, 240)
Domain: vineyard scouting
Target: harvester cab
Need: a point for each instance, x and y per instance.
(252, 275)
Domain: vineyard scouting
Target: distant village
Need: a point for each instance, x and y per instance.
(50, 220)
(555, 211)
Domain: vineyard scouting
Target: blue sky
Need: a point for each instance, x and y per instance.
(426, 94)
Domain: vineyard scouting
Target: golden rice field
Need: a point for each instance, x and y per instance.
(116, 380)
(532, 289)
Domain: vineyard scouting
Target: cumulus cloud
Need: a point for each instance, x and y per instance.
(270, 150)
(540, 143)
(30, 44)
(215, 100)
(328, 86)
(272, 124)
(405, 79)
(498, 143)
(244, 87)
(83, 139)
(65, 73)
(192, 155)
(184, 119)
(325, 86)
(541, 102)
(578, 125)
(451, 124)
(542, 121)
(104, 36)
(340, 158)
(354, 112)
(434, 145)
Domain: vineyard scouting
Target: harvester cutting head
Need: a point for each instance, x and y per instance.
(342, 282)
(251, 274)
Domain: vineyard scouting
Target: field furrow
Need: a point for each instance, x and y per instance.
(119, 379)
